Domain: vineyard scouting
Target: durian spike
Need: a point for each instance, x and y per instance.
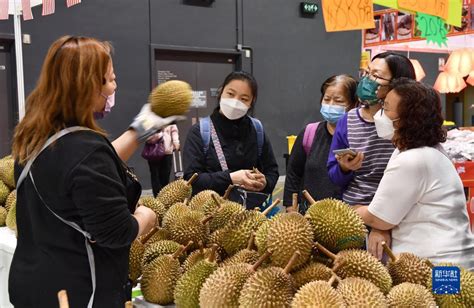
(291, 263)
(428, 262)
(262, 259)
(251, 241)
(389, 252)
(149, 235)
(63, 300)
(325, 251)
(128, 304)
(212, 255)
(295, 205)
(192, 179)
(207, 219)
(268, 209)
(216, 201)
(308, 197)
(227, 192)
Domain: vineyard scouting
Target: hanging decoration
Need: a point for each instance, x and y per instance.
(460, 62)
(449, 83)
(432, 28)
(48, 7)
(419, 71)
(4, 9)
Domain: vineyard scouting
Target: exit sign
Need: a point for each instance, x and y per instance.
(309, 8)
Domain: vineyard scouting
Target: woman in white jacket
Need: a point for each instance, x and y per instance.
(420, 197)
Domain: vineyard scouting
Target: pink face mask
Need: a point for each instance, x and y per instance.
(109, 103)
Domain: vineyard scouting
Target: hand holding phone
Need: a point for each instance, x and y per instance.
(342, 152)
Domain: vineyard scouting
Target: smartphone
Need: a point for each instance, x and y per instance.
(342, 152)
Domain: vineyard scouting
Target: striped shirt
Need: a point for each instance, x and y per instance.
(354, 132)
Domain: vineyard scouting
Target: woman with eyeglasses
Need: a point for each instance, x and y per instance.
(306, 168)
(420, 197)
(359, 175)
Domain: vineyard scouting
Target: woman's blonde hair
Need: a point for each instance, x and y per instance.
(71, 78)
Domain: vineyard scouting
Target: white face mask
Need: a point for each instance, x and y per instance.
(384, 126)
(232, 108)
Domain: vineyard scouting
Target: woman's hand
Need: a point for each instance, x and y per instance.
(247, 180)
(350, 163)
(376, 237)
(146, 219)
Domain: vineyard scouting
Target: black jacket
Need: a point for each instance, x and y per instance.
(81, 179)
(310, 172)
(238, 139)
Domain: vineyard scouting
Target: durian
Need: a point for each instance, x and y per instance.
(224, 212)
(288, 233)
(11, 199)
(158, 249)
(335, 225)
(135, 256)
(410, 295)
(11, 218)
(4, 192)
(217, 237)
(176, 191)
(360, 263)
(3, 216)
(160, 235)
(155, 205)
(199, 255)
(466, 296)
(318, 294)
(238, 231)
(222, 288)
(407, 267)
(203, 202)
(174, 213)
(358, 292)
(247, 255)
(160, 276)
(191, 226)
(269, 287)
(188, 287)
(311, 272)
(7, 165)
(171, 98)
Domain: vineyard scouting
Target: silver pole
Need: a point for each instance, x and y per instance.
(19, 60)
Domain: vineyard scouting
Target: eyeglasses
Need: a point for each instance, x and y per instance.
(367, 73)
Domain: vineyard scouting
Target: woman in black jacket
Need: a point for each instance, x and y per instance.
(242, 140)
(77, 208)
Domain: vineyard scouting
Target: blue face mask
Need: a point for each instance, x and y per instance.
(367, 90)
(332, 113)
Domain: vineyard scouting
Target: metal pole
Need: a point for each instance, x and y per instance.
(19, 60)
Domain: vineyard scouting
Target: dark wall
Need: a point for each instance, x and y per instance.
(291, 55)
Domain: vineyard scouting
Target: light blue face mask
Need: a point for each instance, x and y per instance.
(332, 113)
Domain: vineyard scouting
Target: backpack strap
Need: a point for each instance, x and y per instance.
(308, 138)
(260, 134)
(205, 129)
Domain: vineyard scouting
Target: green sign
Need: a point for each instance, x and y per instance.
(432, 28)
(309, 8)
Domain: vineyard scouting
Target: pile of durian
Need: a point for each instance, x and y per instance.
(207, 251)
(7, 193)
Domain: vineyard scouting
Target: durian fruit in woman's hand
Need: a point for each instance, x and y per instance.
(288, 233)
(358, 292)
(160, 276)
(407, 267)
(360, 263)
(176, 191)
(136, 254)
(335, 224)
(318, 294)
(4, 192)
(410, 295)
(222, 288)
(465, 298)
(7, 176)
(312, 271)
(3, 216)
(199, 255)
(247, 255)
(238, 231)
(11, 200)
(188, 287)
(155, 205)
(158, 249)
(171, 98)
(269, 287)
